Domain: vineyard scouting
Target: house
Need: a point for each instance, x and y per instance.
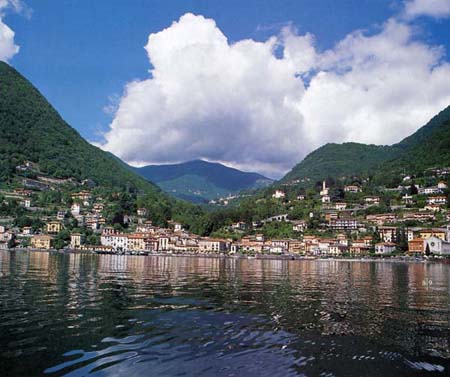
(418, 216)
(151, 244)
(26, 203)
(429, 190)
(279, 246)
(76, 240)
(54, 227)
(383, 248)
(75, 209)
(345, 223)
(352, 189)
(359, 249)
(299, 225)
(326, 199)
(338, 249)
(212, 245)
(439, 200)
(118, 242)
(240, 225)
(387, 233)
(342, 239)
(82, 196)
(331, 215)
(296, 246)
(407, 199)
(27, 230)
(60, 215)
(442, 185)
(300, 197)
(136, 241)
(433, 208)
(372, 200)
(437, 246)
(278, 194)
(41, 241)
(368, 240)
(283, 217)
(340, 206)
(428, 233)
(324, 246)
(416, 246)
(163, 243)
(382, 218)
(98, 207)
(141, 212)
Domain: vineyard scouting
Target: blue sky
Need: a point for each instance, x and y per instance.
(82, 53)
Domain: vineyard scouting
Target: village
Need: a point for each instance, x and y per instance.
(352, 226)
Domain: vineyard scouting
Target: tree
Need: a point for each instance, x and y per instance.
(427, 250)
(93, 239)
(62, 239)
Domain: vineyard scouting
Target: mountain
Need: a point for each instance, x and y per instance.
(338, 160)
(428, 147)
(31, 130)
(200, 181)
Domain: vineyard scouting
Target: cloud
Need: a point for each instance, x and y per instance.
(8, 48)
(263, 106)
(431, 8)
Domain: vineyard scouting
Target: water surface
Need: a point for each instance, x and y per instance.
(77, 315)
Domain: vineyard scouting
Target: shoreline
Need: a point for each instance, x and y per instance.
(391, 259)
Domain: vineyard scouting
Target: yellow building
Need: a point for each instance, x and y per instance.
(428, 233)
(41, 241)
(136, 241)
(76, 240)
(54, 227)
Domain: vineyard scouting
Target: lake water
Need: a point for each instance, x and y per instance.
(77, 315)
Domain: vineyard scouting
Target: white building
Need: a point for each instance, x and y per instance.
(383, 248)
(75, 209)
(326, 199)
(429, 190)
(278, 194)
(118, 242)
(439, 200)
(340, 206)
(352, 188)
(324, 191)
(437, 246)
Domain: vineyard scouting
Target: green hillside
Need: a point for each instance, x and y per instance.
(341, 160)
(426, 148)
(32, 130)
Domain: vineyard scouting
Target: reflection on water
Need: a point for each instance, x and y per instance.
(79, 315)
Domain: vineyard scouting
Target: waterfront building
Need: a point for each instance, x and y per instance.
(41, 241)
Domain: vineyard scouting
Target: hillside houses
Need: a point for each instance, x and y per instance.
(352, 189)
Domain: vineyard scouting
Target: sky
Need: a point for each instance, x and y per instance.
(256, 85)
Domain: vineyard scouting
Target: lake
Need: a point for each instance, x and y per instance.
(105, 315)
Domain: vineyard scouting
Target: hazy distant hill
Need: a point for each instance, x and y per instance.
(201, 180)
(426, 148)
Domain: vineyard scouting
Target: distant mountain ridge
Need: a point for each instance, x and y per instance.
(428, 147)
(200, 180)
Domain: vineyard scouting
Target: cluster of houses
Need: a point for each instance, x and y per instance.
(349, 231)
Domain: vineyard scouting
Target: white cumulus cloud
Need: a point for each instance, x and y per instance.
(263, 106)
(431, 8)
(8, 48)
